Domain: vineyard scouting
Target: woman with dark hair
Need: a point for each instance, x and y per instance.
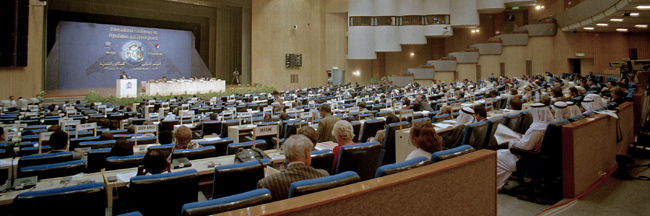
(121, 148)
(618, 95)
(155, 162)
(426, 141)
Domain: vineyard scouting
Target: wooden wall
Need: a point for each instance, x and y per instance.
(27, 81)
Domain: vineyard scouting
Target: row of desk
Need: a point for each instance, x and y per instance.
(188, 87)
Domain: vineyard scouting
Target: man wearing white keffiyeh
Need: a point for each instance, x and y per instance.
(531, 140)
(561, 111)
(574, 110)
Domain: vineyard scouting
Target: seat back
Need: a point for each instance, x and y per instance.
(40, 159)
(53, 170)
(225, 125)
(303, 187)
(401, 166)
(197, 153)
(356, 129)
(514, 121)
(370, 128)
(389, 142)
(161, 194)
(292, 128)
(474, 134)
(322, 159)
(490, 142)
(237, 201)
(361, 158)
(526, 121)
(88, 199)
(237, 178)
(166, 149)
(123, 162)
(440, 118)
(220, 145)
(97, 159)
(232, 147)
(451, 153)
(97, 144)
(210, 127)
(143, 140)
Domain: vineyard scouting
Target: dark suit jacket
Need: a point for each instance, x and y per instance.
(422, 106)
(325, 127)
(279, 183)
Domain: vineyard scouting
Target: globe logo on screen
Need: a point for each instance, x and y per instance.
(133, 52)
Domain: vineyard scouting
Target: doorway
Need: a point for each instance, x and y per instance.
(581, 65)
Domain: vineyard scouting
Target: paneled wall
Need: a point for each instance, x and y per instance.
(27, 81)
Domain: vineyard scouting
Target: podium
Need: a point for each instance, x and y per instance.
(126, 88)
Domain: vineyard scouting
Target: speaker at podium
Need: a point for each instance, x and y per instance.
(126, 88)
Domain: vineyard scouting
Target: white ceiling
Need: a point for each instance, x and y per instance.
(616, 12)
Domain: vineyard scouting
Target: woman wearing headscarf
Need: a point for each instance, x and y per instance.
(453, 138)
(561, 111)
(531, 140)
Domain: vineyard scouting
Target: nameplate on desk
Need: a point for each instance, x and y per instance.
(70, 122)
(110, 109)
(154, 115)
(354, 109)
(32, 113)
(305, 115)
(71, 112)
(101, 107)
(245, 115)
(33, 107)
(185, 105)
(187, 114)
(311, 102)
(227, 112)
(164, 104)
(397, 105)
(268, 109)
(146, 128)
(291, 110)
(87, 126)
(266, 130)
(45, 136)
(406, 113)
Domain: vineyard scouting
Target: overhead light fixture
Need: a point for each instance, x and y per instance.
(588, 28)
(602, 24)
(356, 73)
(539, 7)
(412, 54)
(616, 20)
(621, 30)
(634, 14)
(643, 7)
(641, 25)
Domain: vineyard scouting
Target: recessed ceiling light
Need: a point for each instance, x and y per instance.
(621, 29)
(616, 20)
(634, 14)
(643, 7)
(602, 24)
(588, 28)
(641, 25)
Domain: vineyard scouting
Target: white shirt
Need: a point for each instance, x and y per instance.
(417, 153)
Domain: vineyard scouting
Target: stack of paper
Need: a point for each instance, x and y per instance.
(504, 134)
(326, 145)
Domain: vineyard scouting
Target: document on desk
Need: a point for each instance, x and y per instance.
(326, 145)
(504, 134)
(443, 125)
(126, 177)
(211, 138)
(449, 121)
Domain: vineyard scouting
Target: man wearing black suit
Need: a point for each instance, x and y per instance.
(124, 76)
(421, 104)
(297, 149)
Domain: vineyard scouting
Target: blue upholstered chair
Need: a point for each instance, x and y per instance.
(97, 144)
(97, 159)
(123, 162)
(74, 142)
(143, 140)
(210, 127)
(388, 149)
(86, 199)
(401, 166)
(384, 113)
(362, 158)
(526, 121)
(514, 121)
(135, 213)
(165, 193)
(220, 145)
(237, 178)
(303, 187)
(53, 170)
(576, 118)
(474, 134)
(232, 147)
(197, 153)
(40, 159)
(237, 201)
(322, 159)
(356, 129)
(490, 142)
(450, 153)
(440, 118)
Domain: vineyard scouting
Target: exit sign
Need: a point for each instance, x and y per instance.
(515, 8)
(580, 54)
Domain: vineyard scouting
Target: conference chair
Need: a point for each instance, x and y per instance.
(299, 188)
(166, 149)
(362, 158)
(74, 142)
(210, 127)
(322, 159)
(543, 169)
(221, 145)
(237, 178)
(401, 166)
(237, 201)
(384, 113)
(31, 150)
(440, 118)
(370, 128)
(588, 114)
(83, 199)
(232, 147)
(53, 170)
(474, 134)
(29, 138)
(142, 140)
(292, 128)
(168, 124)
(165, 193)
(40, 159)
(97, 144)
(123, 162)
(97, 159)
(526, 121)
(451, 153)
(513, 121)
(356, 128)
(490, 141)
(225, 125)
(388, 147)
(197, 153)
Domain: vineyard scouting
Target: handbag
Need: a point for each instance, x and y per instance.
(249, 154)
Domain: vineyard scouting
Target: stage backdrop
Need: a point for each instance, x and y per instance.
(94, 55)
